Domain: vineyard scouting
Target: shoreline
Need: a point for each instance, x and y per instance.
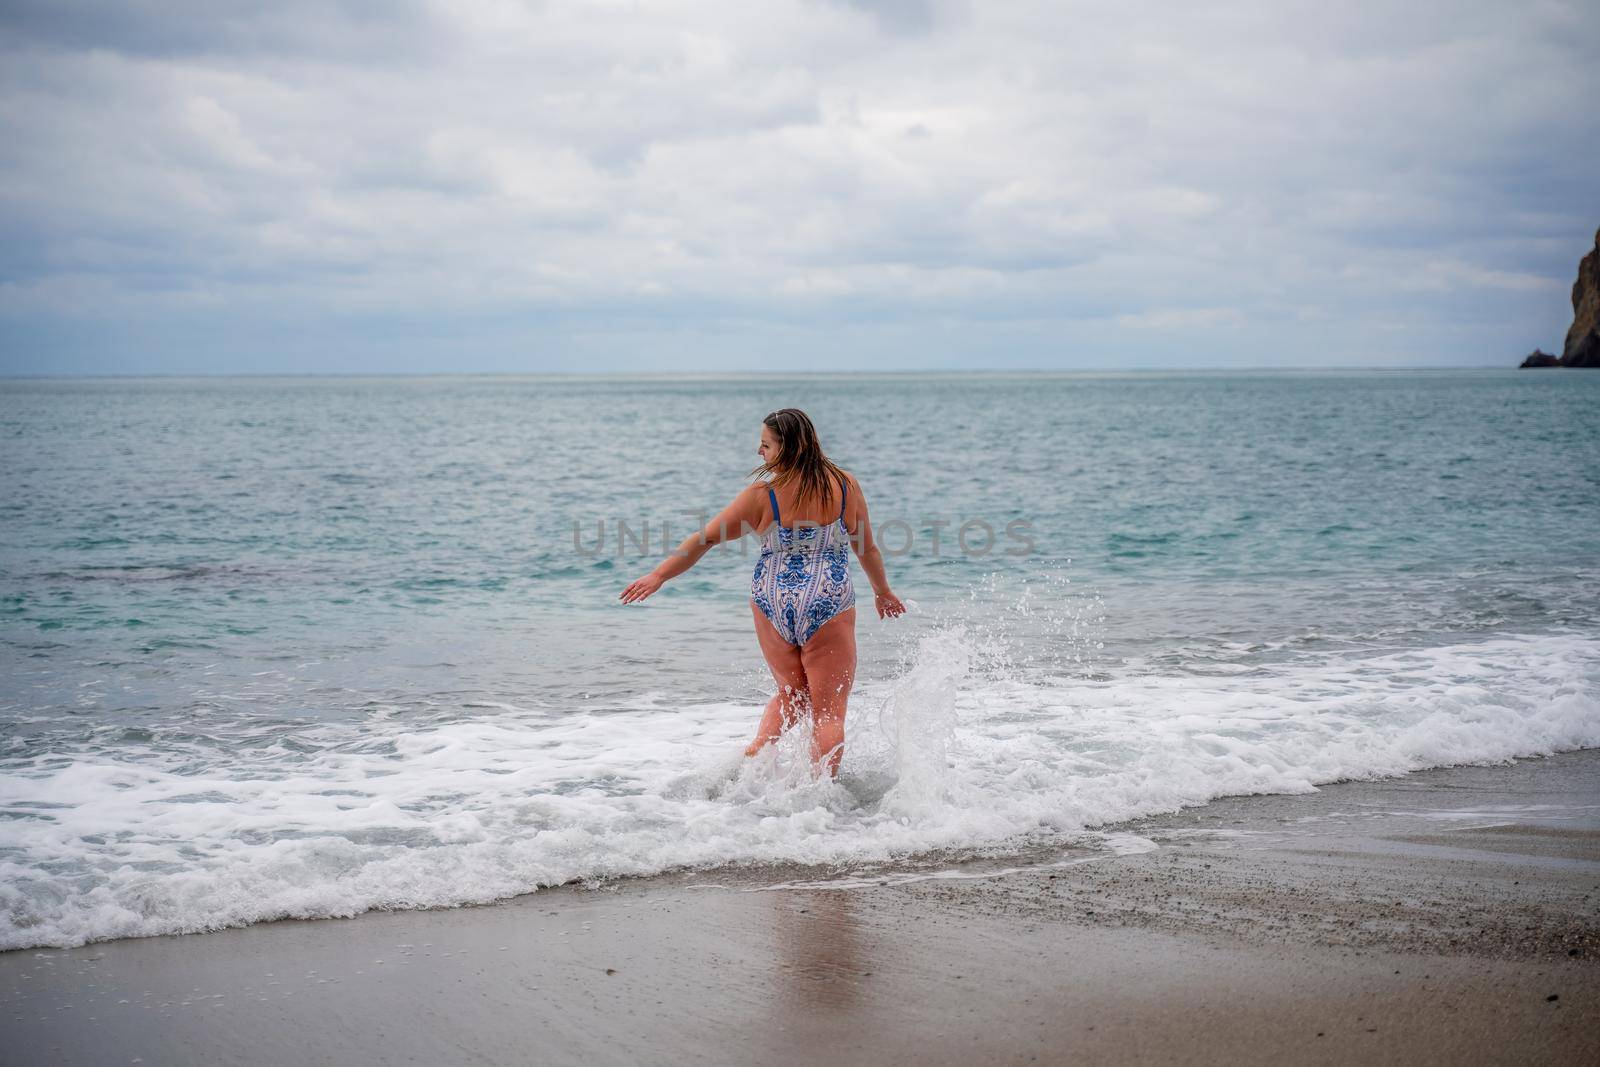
(1427, 918)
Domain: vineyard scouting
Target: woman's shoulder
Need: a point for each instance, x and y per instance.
(752, 501)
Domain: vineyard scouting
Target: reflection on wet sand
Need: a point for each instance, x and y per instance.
(820, 952)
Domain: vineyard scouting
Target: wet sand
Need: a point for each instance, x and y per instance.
(1451, 916)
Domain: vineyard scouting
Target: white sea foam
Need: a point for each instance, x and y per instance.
(949, 754)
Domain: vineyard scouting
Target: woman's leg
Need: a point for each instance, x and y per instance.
(792, 699)
(829, 662)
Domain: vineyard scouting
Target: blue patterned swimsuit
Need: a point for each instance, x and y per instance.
(803, 576)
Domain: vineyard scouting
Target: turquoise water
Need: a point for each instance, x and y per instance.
(240, 602)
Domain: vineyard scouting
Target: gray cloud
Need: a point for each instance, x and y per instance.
(553, 185)
(903, 16)
(379, 30)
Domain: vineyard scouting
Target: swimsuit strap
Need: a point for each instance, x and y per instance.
(774, 498)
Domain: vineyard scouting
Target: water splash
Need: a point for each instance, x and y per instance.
(919, 721)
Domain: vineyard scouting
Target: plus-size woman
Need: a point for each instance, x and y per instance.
(807, 512)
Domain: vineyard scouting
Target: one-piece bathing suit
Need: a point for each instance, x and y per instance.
(803, 576)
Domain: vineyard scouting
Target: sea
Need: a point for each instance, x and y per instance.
(278, 647)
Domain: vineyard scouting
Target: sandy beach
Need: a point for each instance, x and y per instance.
(1450, 916)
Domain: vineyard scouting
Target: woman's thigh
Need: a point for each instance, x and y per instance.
(829, 662)
(783, 659)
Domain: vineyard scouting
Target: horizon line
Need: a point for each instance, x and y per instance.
(956, 371)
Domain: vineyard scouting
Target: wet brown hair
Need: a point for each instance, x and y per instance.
(800, 457)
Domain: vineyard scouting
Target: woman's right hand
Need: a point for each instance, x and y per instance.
(641, 588)
(888, 605)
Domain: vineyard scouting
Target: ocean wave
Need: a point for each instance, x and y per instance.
(960, 750)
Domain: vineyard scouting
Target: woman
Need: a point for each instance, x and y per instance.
(801, 596)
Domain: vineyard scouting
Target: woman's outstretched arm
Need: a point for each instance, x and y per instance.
(884, 600)
(730, 525)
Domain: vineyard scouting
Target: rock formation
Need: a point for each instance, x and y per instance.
(1583, 339)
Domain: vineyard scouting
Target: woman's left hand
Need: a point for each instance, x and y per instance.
(641, 588)
(889, 606)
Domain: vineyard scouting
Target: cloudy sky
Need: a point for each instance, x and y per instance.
(211, 186)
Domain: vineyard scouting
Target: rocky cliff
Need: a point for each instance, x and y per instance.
(1583, 340)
